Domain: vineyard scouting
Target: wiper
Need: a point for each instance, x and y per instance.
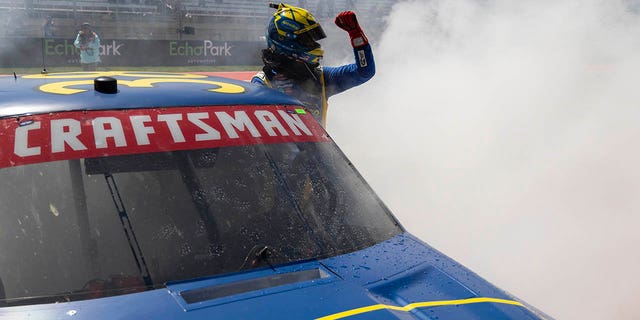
(256, 255)
(128, 231)
(46, 299)
(24, 301)
(83, 294)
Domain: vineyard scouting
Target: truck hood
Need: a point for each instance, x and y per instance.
(401, 278)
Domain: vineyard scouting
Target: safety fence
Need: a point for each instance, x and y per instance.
(228, 8)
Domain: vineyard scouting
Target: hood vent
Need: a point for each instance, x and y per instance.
(243, 286)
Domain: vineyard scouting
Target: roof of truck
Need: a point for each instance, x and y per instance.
(54, 92)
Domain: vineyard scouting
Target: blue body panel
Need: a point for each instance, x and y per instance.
(367, 284)
(401, 278)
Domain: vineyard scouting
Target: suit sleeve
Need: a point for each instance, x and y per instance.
(339, 79)
(76, 42)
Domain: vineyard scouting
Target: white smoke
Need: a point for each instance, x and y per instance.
(507, 134)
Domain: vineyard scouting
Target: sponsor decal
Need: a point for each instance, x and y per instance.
(88, 134)
(80, 81)
(111, 49)
(55, 47)
(362, 59)
(206, 49)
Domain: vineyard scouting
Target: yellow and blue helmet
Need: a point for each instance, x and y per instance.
(294, 32)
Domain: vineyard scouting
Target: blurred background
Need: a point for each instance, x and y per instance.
(503, 133)
(506, 134)
(196, 34)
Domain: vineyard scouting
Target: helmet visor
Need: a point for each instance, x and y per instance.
(309, 39)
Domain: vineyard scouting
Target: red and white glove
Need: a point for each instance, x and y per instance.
(347, 21)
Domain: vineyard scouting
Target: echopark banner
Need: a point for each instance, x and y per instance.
(60, 52)
(89, 134)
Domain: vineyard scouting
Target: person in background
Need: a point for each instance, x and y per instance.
(89, 44)
(292, 58)
(49, 28)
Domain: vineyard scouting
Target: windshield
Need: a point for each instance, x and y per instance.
(96, 226)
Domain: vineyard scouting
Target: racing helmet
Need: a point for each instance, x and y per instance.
(293, 31)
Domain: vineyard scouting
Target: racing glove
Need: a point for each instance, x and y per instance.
(347, 21)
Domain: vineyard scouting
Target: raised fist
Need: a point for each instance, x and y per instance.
(347, 21)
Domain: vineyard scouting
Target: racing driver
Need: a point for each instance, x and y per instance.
(292, 58)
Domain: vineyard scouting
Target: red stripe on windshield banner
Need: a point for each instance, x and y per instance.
(89, 134)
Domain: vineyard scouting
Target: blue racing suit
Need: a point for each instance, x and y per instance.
(325, 82)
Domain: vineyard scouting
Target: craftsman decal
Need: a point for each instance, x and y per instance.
(74, 135)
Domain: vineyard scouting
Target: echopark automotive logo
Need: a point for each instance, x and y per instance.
(54, 47)
(208, 48)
